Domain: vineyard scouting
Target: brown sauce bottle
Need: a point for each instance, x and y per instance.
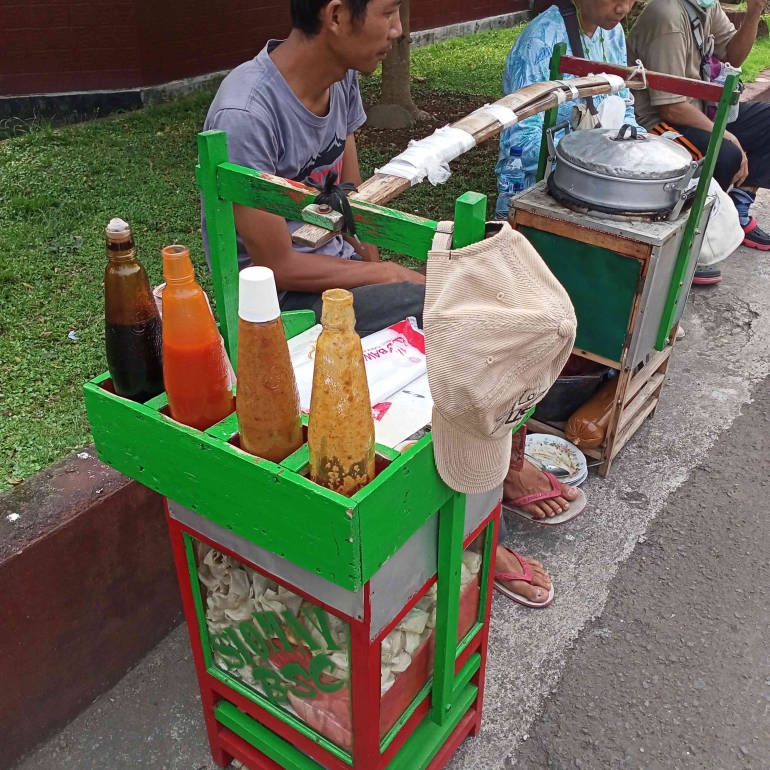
(268, 407)
(132, 329)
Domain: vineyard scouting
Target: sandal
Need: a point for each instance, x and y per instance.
(526, 577)
(576, 506)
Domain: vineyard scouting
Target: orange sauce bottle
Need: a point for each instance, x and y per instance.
(269, 413)
(194, 367)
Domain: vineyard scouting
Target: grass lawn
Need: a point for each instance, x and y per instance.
(59, 188)
(759, 59)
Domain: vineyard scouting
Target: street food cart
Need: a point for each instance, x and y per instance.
(327, 632)
(628, 274)
(627, 271)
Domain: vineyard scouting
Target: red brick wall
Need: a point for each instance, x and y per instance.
(53, 46)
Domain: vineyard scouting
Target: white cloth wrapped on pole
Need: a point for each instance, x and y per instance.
(430, 157)
(502, 114)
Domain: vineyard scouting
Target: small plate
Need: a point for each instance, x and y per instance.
(559, 451)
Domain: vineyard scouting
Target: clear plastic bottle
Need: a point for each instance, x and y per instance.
(194, 367)
(510, 181)
(341, 428)
(269, 413)
(132, 328)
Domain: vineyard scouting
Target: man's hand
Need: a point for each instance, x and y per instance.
(399, 274)
(743, 171)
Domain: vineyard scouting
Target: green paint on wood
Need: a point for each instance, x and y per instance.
(297, 321)
(487, 558)
(200, 611)
(212, 150)
(299, 461)
(279, 713)
(469, 637)
(450, 552)
(405, 717)
(264, 740)
(396, 230)
(552, 115)
(428, 738)
(470, 219)
(350, 538)
(253, 498)
(601, 284)
(399, 501)
(472, 665)
(226, 429)
(706, 174)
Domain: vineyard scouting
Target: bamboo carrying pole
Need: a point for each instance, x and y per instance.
(481, 125)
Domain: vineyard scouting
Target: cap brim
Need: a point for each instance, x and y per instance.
(468, 464)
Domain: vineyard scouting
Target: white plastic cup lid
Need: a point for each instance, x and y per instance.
(257, 295)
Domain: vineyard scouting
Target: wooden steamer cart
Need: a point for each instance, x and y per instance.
(628, 278)
(628, 281)
(327, 632)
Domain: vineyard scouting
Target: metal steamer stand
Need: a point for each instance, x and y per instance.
(628, 277)
(327, 632)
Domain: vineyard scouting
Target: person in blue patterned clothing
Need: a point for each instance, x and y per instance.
(602, 38)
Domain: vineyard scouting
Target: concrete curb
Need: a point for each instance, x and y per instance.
(91, 588)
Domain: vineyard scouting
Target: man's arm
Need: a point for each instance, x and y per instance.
(268, 242)
(351, 172)
(739, 47)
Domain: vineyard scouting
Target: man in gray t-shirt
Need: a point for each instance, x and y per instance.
(292, 111)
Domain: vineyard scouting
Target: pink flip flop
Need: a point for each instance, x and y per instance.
(527, 577)
(576, 506)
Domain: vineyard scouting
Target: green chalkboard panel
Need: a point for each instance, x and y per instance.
(601, 284)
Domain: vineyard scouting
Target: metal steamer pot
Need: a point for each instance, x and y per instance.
(621, 171)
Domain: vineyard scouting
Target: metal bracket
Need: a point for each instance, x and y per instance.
(323, 216)
(565, 126)
(684, 193)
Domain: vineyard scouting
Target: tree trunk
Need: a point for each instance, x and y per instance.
(396, 108)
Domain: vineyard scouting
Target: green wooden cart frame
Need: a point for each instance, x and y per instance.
(344, 541)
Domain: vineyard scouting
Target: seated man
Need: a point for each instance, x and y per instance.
(596, 24)
(664, 40)
(292, 111)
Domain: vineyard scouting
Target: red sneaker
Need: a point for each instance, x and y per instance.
(756, 237)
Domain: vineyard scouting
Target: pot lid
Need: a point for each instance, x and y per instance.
(624, 154)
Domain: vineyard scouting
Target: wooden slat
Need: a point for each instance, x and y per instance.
(598, 359)
(528, 101)
(397, 230)
(658, 81)
(536, 426)
(630, 429)
(632, 409)
(576, 232)
(644, 374)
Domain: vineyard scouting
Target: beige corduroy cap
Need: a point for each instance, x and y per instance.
(499, 328)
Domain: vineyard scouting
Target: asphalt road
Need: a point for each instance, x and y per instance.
(676, 671)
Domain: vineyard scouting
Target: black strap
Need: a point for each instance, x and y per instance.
(335, 195)
(569, 14)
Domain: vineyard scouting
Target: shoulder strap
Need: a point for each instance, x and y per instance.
(569, 14)
(695, 26)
